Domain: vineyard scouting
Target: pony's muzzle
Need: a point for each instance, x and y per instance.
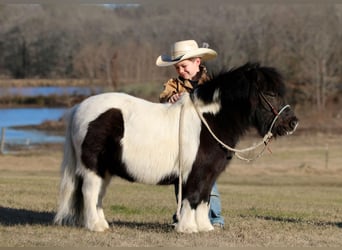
(286, 124)
(293, 124)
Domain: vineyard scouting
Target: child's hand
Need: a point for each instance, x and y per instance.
(174, 98)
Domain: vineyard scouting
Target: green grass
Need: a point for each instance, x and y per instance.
(151, 210)
(273, 202)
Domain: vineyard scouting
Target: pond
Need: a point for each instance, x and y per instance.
(10, 117)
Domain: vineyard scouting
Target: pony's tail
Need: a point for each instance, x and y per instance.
(70, 208)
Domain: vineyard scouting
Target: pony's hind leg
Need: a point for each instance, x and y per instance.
(102, 193)
(91, 190)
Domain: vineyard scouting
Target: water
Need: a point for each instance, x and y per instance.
(49, 90)
(28, 137)
(28, 116)
(10, 117)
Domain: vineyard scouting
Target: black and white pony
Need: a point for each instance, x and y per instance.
(115, 134)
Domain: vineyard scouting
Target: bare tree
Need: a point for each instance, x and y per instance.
(310, 41)
(120, 45)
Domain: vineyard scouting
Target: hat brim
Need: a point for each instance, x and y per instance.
(204, 53)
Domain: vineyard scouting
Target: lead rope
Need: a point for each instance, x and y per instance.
(180, 160)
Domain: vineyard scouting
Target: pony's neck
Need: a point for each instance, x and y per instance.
(227, 123)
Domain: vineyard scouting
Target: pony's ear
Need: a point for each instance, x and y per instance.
(249, 79)
(253, 74)
(258, 78)
(254, 78)
(268, 79)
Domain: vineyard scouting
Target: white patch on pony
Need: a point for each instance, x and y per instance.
(150, 145)
(93, 215)
(99, 206)
(202, 217)
(187, 221)
(213, 107)
(151, 139)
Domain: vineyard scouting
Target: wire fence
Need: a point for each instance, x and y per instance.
(16, 144)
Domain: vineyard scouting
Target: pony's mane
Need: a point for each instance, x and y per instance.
(236, 83)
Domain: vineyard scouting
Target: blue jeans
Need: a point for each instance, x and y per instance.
(215, 216)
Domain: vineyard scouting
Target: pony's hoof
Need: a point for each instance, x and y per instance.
(206, 228)
(99, 226)
(104, 224)
(187, 230)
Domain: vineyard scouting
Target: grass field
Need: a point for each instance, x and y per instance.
(292, 197)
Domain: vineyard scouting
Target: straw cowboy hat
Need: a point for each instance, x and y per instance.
(185, 50)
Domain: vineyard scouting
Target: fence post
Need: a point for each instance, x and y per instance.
(2, 141)
(326, 155)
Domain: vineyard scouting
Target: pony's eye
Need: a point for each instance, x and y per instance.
(271, 94)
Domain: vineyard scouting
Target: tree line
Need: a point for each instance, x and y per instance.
(120, 43)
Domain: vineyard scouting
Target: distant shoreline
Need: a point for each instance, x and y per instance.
(58, 127)
(51, 101)
(50, 82)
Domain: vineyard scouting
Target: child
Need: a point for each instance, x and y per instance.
(186, 57)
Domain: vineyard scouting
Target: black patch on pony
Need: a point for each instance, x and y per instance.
(168, 180)
(101, 148)
(240, 104)
(239, 90)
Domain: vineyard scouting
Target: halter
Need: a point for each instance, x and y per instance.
(274, 111)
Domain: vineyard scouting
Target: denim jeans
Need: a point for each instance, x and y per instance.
(215, 216)
(215, 207)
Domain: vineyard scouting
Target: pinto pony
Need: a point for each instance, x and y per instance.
(115, 134)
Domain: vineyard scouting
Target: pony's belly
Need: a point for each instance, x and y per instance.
(150, 168)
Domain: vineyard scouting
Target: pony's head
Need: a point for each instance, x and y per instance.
(270, 112)
(251, 95)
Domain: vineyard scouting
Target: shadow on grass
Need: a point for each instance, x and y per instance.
(15, 216)
(294, 220)
(145, 226)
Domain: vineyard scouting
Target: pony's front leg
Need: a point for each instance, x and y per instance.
(194, 220)
(91, 190)
(187, 221)
(202, 217)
